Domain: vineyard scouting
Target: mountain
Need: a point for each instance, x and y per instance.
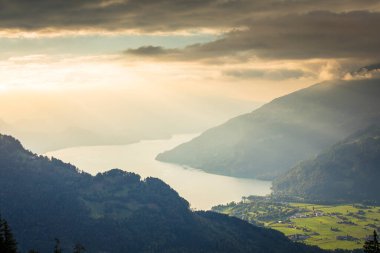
(114, 212)
(42, 141)
(272, 139)
(348, 171)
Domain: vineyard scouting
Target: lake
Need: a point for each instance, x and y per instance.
(203, 190)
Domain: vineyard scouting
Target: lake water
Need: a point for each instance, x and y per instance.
(201, 189)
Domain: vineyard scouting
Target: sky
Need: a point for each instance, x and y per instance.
(117, 71)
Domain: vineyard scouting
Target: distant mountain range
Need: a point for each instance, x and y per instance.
(43, 141)
(274, 138)
(114, 212)
(53, 121)
(349, 171)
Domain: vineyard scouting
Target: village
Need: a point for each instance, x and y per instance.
(328, 226)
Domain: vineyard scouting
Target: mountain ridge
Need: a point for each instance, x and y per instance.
(256, 145)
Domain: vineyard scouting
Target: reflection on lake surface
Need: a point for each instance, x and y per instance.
(201, 189)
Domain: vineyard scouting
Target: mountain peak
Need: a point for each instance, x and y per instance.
(10, 144)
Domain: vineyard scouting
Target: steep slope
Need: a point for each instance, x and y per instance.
(273, 138)
(114, 212)
(349, 171)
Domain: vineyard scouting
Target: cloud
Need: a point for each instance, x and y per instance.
(249, 29)
(320, 34)
(315, 35)
(367, 72)
(269, 74)
(150, 51)
(158, 15)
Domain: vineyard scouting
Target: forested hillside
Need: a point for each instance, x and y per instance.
(114, 212)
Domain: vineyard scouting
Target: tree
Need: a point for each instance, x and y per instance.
(9, 243)
(2, 243)
(78, 248)
(372, 245)
(57, 247)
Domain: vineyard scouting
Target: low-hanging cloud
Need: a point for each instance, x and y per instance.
(269, 74)
(367, 72)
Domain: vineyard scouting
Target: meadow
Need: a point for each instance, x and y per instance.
(344, 226)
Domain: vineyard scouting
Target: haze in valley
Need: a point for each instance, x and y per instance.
(114, 72)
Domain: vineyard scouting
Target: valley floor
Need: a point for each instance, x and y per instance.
(327, 226)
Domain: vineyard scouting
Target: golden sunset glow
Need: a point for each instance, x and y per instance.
(189, 126)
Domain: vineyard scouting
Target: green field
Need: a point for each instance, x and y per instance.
(326, 226)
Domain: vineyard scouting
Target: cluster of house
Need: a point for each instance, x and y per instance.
(298, 237)
(304, 229)
(346, 238)
(307, 215)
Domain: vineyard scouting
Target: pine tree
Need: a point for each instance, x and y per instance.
(57, 247)
(10, 244)
(2, 245)
(372, 245)
(78, 248)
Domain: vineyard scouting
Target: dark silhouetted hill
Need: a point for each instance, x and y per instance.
(114, 212)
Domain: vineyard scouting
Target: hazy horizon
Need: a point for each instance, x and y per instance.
(189, 126)
(127, 70)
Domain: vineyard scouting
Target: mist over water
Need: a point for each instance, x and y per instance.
(202, 190)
